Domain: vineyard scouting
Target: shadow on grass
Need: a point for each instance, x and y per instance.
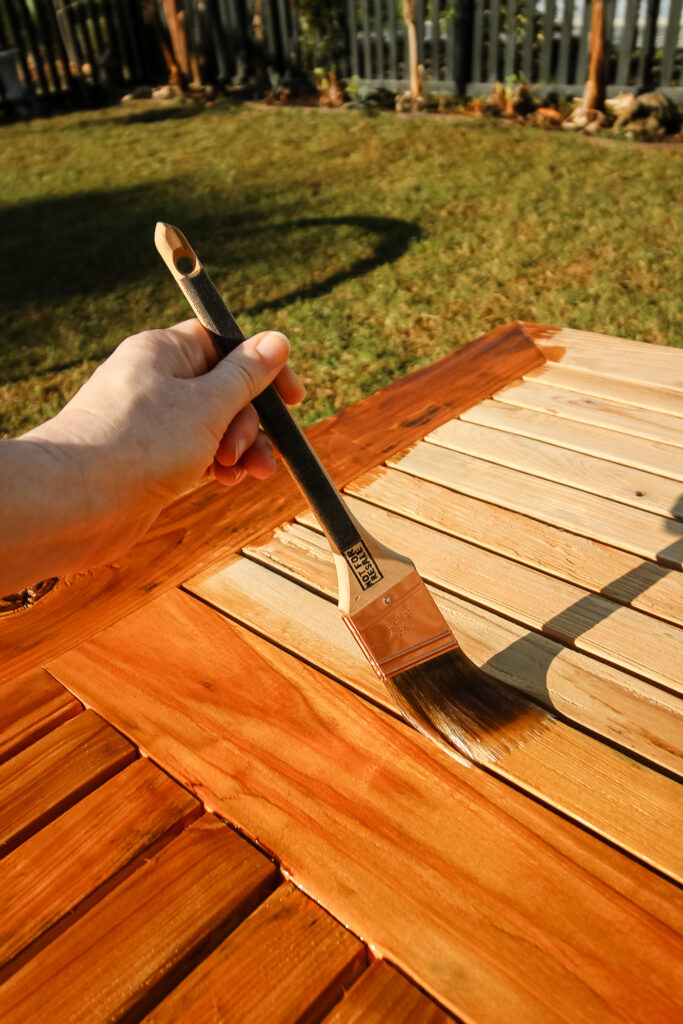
(91, 245)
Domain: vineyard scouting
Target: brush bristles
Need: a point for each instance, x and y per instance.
(449, 698)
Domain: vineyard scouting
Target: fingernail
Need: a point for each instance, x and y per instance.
(273, 347)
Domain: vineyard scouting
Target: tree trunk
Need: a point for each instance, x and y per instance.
(594, 91)
(409, 18)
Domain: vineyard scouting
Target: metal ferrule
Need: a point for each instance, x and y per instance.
(401, 629)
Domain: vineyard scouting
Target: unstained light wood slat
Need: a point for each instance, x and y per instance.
(128, 950)
(605, 570)
(485, 897)
(30, 706)
(638, 452)
(587, 382)
(621, 358)
(49, 874)
(599, 412)
(289, 962)
(56, 771)
(383, 996)
(589, 515)
(628, 486)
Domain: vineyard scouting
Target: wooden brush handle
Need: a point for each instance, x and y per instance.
(304, 465)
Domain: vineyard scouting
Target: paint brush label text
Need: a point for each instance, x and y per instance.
(363, 565)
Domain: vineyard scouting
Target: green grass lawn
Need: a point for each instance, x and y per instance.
(376, 244)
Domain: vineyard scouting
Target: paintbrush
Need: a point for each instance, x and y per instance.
(382, 598)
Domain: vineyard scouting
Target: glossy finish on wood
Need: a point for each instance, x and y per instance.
(145, 934)
(30, 706)
(49, 874)
(383, 995)
(47, 778)
(449, 872)
(288, 963)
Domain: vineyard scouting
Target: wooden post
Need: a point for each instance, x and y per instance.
(411, 32)
(594, 92)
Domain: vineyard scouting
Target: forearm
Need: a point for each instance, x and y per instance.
(51, 520)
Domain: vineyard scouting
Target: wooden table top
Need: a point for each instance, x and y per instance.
(209, 808)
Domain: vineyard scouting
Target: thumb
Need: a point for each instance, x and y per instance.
(246, 372)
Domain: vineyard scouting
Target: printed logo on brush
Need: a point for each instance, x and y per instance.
(364, 567)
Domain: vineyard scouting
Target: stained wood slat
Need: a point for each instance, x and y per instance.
(621, 636)
(383, 995)
(621, 358)
(49, 874)
(210, 521)
(586, 514)
(618, 483)
(599, 412)
(615, 574)
(127, 951)
(289, 962)
(588, 382)
(52, 774)
(605, 444)
(484, 896)
(30, 706)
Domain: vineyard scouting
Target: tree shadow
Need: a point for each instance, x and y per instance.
(90, 246)
(578, 619)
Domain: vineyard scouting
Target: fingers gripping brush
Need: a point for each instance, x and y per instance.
(383, 600)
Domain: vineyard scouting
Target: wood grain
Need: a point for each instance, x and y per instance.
(605, 444)
(587, 382)
(209, 521)
(588, 515)
(598, 412)
(605, 570)
(52, 774)
(624, 484)
(618, 798)
(488, 899)
(30, 706)
(621, 636)
(617, 705)
(49, 874)
(288, 963)
(621, 358)
(382, 995)
(126, 952)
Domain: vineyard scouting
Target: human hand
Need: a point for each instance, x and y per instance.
(155, 417)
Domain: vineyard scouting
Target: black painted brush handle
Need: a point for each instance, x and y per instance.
(277, 421)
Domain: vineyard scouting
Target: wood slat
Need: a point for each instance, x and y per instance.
(586, 514)
(621, 358)
(210, 521)
(599, 412)
(643, 396)
(289, 962)
(30, 706)
(621, 636)
(584, 472)
(47, 778)
(485, 897)
(606, 444)
(49, 874)
(126, 952)
(605, 570)
(383, 995)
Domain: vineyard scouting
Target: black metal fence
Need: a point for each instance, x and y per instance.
(82, 51)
